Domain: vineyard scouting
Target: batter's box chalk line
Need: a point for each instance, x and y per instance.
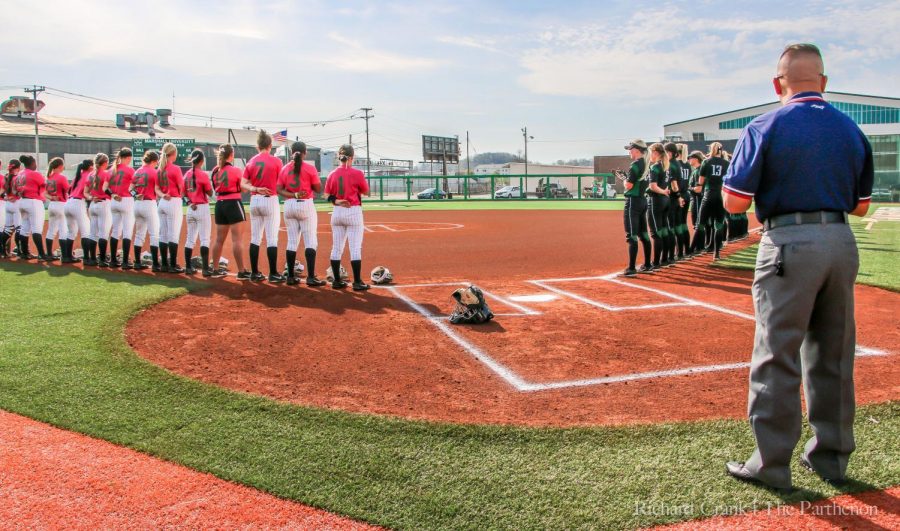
(519, 383)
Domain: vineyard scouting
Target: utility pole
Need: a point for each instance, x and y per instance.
(368, 157)
(35, 90)
(526, 137)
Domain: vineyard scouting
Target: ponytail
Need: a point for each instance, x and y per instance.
(224, 153)
(715, 150)
(661, 151)
(56, 162)
(123, 153)
(79, 170)
(167, 150)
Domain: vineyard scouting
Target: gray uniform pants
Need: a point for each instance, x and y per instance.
(805, 327)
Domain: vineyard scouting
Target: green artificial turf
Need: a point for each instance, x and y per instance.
(879, 254)
(63, 360)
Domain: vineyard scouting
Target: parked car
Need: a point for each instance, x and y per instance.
(597, 192)
(509, 192)
(555, 191)
(433, 193)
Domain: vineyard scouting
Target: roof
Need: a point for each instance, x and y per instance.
(775, 102)
(75, 128)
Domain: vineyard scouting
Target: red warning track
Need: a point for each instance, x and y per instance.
(375, 353)
(54, 479)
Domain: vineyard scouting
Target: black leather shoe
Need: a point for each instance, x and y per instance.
(127, 265)
(314, 282)
(176, 269)
(257, 277)
(835, 482)
(292, 281)
(190, 270)
(338, 284)
(360, 286)
(159, 269)
(138, 266)
(737, 470)
(276, 279)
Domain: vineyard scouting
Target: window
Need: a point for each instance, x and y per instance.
(868, 114)
(699, 137)
(737, 123)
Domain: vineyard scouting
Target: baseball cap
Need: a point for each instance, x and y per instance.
(637, 143)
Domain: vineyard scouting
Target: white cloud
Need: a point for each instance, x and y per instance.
(357, 57)
(680, 55)
(488, 45)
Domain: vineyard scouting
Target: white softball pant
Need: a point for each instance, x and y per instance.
(122, 218)
(77, 221)
(146, 218)
(101, 220)
(300, 218)
(13, 217)
(347, 224)
(170, 218)
(57, 221)
(32, 212)
(199, 223)
(264, 220)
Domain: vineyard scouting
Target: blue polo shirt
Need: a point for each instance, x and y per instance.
(803, 157)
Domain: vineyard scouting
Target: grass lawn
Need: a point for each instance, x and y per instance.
(63, 360)
(879, 253)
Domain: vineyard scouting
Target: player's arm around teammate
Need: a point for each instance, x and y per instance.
(77, 222)
(227, 182)
(57, 192)
(122, 208)
(260, 179)
(345, 187)
(99, 212)
(145, 189)
(658, 193)
(297, 183)
(198, 190)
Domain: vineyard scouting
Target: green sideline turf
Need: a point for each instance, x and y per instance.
(63, 360)
(879, 252)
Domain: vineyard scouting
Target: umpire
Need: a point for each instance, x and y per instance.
(807, 165)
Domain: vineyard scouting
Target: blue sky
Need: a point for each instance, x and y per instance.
(583, 76)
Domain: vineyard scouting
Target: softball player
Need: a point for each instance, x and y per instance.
(297, 183)
(77, 222)
(99, 211)
(170, 189)
(57, 192)
(146, 218)
(673, 181)
(260, 179)
(695, 159)
(711, 208)
(658, 208)
(635, 212)
(122, 208)
(30, 186)
(11, 218)
(227, 182)
(345, 187)
(198, 190)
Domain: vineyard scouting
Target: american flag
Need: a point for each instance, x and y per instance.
(280, 136)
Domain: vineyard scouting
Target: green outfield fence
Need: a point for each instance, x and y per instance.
(596, 186)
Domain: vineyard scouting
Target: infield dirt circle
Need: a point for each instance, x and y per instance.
(571, 344)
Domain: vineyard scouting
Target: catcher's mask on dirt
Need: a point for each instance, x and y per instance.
(470, 307)
(329, 275)
(381, 275)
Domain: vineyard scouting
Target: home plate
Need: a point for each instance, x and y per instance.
(540, 297)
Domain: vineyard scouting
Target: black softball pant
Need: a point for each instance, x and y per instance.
(635, 215)
(658, 222)
(712, 211)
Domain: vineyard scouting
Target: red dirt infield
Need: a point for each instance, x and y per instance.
(54, 479)
(375, 353)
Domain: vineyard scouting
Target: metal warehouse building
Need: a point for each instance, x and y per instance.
(76, 139)
(878, 117)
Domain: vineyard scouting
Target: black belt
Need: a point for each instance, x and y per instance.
(805, 218)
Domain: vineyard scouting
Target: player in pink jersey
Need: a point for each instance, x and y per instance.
(12, 218)
(345, 187)
(77, 222)
(198, 190)
(297, 183)
(122, 208)
(31, 185)
(98, 212)
(260, 179)
(226, 180)
(3, 252)
(170, 189)
(146, 217)
(57, 193)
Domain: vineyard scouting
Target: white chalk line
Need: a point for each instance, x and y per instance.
(522, 385)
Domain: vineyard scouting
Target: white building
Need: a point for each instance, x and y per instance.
(878, 117)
